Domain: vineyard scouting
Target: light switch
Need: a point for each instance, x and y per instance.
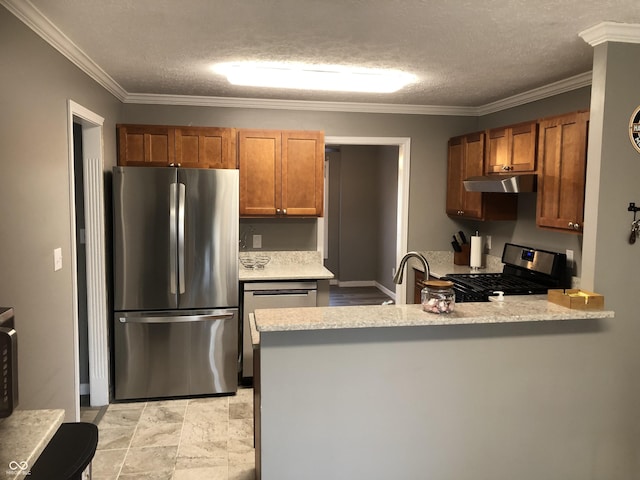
(57, 259)
(257, 241)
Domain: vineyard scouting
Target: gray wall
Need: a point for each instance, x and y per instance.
(359, 213)
(611, 264)
(34, 205)
(466, 402)
(279, 233)
(388, 214)
(332, 216)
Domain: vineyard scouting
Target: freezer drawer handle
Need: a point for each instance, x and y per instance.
(176, 319)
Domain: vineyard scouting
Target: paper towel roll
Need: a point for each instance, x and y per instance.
(475, 258)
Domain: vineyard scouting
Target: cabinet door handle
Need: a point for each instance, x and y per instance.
(277, 211)
(284, 211)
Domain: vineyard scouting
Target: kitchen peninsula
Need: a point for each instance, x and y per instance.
(493, 390)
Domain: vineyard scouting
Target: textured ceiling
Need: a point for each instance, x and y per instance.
(464, 52)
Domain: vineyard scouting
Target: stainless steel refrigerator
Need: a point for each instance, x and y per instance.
(176, 295)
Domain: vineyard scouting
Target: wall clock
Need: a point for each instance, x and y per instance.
(634, 129)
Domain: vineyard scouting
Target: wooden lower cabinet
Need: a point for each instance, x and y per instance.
(418, 276)
(562, 156)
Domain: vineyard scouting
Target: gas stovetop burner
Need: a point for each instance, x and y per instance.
(491, 282)
(527, 271)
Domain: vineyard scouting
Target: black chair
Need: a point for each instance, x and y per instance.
(68, 453)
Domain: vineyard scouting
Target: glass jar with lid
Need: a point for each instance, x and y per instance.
(438, 296)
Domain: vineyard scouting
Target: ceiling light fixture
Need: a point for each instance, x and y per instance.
(314, 77)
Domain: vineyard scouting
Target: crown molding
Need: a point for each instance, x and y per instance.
(353, 107)
(546, 91)
(41, 25)
(611, 32)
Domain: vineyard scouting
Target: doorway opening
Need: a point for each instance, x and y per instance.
(88, 257)
(395, 243)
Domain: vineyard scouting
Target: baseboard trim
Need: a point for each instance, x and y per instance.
(357, 283)
(388, 292)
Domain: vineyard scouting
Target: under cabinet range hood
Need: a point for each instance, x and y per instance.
(501, 183)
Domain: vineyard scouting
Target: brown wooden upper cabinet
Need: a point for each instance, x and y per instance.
(146, 145)
(562, 156)
(281, 173)
(512, 149)
(206, 147)
(161, 146)
(466, 159)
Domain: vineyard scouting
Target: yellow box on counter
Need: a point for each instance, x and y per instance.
(576, 299)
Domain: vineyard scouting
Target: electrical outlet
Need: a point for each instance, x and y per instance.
(57, 259)
(488, 237)
(257, 241)
(570, 264)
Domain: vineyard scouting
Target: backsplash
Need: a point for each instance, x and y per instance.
(279, 234)
(287, 257)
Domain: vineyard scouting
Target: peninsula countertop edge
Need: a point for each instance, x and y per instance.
(536, 309)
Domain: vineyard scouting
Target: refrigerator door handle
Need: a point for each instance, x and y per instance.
(173, 272)
(176, 319)
(181, 227)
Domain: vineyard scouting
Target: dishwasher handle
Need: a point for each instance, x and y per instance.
(267, 293)
(177, 318)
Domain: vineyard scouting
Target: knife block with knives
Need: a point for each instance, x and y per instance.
(461, 249)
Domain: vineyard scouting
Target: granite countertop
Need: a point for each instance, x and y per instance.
(286, 265)
(255, 334)
(530, 308)
(23, 437)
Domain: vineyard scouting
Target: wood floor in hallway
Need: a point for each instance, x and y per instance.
(346, 296)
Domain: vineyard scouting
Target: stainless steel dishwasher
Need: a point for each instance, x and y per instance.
(271, 295)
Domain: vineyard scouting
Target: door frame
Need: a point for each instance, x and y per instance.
(93, 186)
(402, 224)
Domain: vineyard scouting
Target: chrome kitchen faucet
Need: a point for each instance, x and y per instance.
(398, 276)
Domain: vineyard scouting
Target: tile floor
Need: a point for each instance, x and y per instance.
(191, 439)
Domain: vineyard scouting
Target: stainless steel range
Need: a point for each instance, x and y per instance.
(526, 271)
